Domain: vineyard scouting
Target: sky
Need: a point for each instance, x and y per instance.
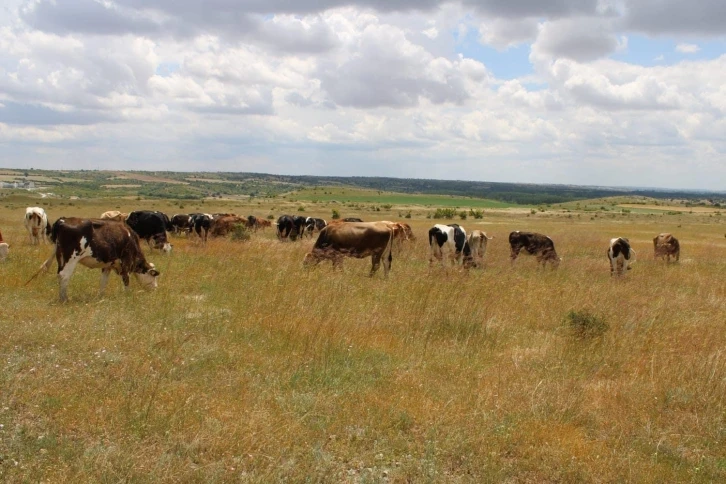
(591, 92)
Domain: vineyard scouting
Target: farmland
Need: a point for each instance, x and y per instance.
(243, 366)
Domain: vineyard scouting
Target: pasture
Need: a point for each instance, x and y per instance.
(244, 367)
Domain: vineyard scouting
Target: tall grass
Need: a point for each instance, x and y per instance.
(243, 366)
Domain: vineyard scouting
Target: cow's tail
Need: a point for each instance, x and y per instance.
(389, 246)
(43, 268)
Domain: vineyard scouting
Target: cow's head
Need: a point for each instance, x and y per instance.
(311, 259)
(147, 275)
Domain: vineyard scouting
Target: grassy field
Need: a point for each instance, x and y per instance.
(245, 367)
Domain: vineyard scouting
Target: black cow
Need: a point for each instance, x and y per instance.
(291, 227)
(312, 224)
(151, 226)
(451, 238)
(534, 244)
(352, 219)
(181, 223)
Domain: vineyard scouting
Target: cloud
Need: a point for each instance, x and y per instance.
(687, 48)
(579, 39)
(504, 33)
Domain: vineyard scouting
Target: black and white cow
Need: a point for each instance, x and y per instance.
(98, 244)
(451, 239)
(201, 224)
(181, 223)
(290, 227)
(312, 224)
(621, 255)
(36, 223)
(151, 226)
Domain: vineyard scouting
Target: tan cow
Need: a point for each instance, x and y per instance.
(354, 239)
(223, 225)
(665, 246)
(478, 242)
(4, 247)
(114, 215)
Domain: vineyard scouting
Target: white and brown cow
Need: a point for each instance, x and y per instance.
(4, 248)
(452, 240)
(478, 242)
(535, 244)
(98, 244)
(665, 246)
(114, 215)
(621, 256)
(354, 239)
(36, 222)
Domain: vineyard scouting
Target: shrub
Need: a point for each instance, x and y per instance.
(300, 208)
(477, 214)
(240, 233)
(584, 324)
(408, 215)
(462, 215)
(336, 214)
(445, 213)
(270, 217)
(387, 206)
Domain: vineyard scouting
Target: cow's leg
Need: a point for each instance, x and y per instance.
(104, 280)
(125, 277)
(64, 276)
(375, 263)
(514, 253)
(387, 261)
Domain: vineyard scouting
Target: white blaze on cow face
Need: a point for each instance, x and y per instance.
(167, 247)
(149, 279)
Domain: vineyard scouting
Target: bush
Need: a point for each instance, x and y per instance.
(387, 206)
(336, 214)
(240, 233)
(408, 215)
(270, 217)
(462, 215)
(448, 213)
(477, 214)
(584, 324)
(300, 208)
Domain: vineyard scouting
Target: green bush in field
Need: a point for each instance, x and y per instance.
(240, 233)
(447, 213)
(584, 324)
(336, 214)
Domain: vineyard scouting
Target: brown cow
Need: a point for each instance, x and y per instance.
(354, 239)
(401, 231)
(98, 244)
(263, 224)
(534, 244)
(665, 246)
(114, 215)
(223, 225)
(4, 247)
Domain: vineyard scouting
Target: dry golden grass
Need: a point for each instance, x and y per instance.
(243, 366)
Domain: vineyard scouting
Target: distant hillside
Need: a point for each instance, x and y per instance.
(184, 185)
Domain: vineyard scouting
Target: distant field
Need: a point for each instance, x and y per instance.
(245, 367)
(378, 197)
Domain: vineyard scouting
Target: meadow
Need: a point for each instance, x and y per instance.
(244, 367)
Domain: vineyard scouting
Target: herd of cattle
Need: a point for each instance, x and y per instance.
(111, 242)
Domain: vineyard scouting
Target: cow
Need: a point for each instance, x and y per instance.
(263, 224)
(98, 244)
(534, 244)
(665, 246)
(4, 248)
(354, 239)
(114, 215)
(201, 224)
(36, 223)
(290, 227)
(478, 242)
(451, 239)
(224, 225)
(352, 219)
(151, 226)
(181, 223)
(252, 222)
(312, 224)
(621, 255)
(401, 231)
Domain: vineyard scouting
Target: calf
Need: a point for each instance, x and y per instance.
(665, 246)
(359, 240)
(263, 224)
(478, 242)
(151, 226)
(36, 223)
(312, 224)
(451, 239)
(534, 244)
(4, 248)
(224, 225)
(621, 255)
(98, 244)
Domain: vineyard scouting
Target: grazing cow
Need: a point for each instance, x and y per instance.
(290, 227)
(478, 242)
(201, 224)
(534, 244)
(36, 222)
(224, 225)
(312, 224)
(621, 255)
(357, 240)
(665, 246)
(4, 248)
(352, 219)
(114, 215)
(263, 224)
(181, 222)
(252, 223)
(98, 244)
(401, 231)
(452, 239)
(151, 226)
